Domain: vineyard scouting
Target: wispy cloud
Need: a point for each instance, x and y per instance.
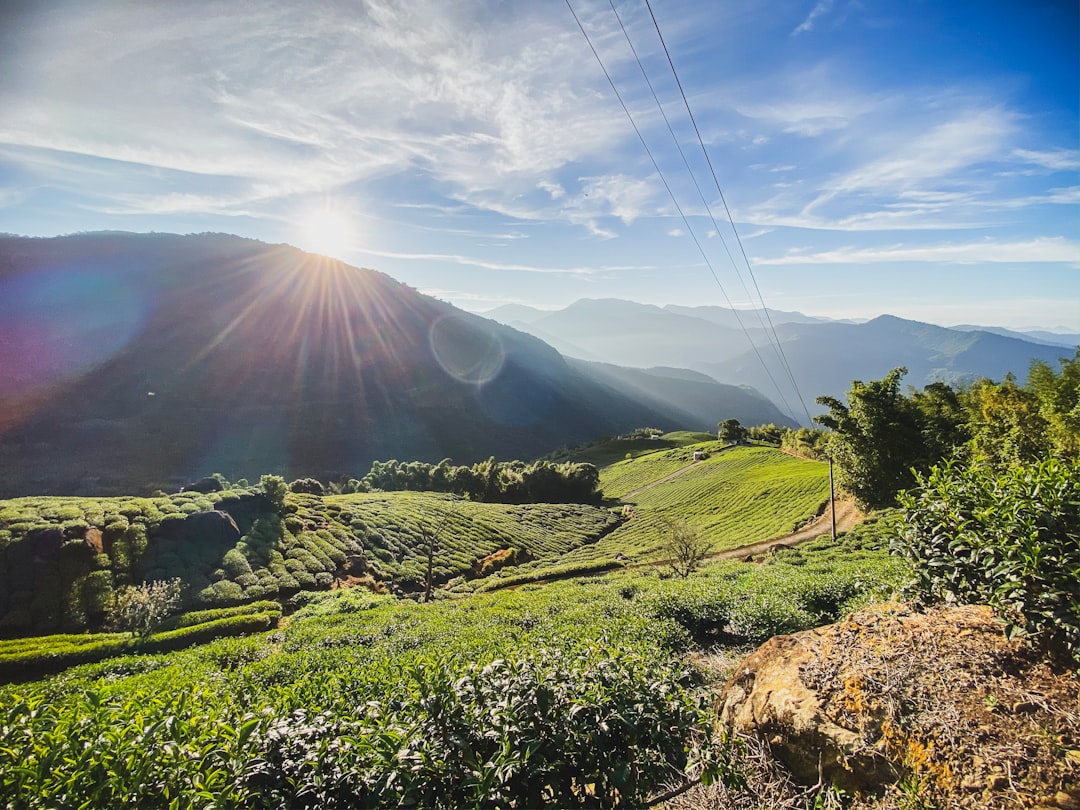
(472, 261)
(823, 7)
(293, 102)
(1057, 250)
(1058, 160)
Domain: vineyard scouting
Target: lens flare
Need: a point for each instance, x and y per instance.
(466, 350)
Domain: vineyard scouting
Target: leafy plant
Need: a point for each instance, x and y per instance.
(141, 609)
(1010, 539)
(686, 549)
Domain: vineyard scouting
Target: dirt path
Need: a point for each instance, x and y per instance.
(847, 515)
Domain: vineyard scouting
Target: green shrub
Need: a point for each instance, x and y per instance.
(1011, 540)
(528, 733)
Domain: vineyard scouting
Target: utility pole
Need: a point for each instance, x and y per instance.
(832, 500)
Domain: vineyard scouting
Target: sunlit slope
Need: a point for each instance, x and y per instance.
(395, 528)
(735, 497)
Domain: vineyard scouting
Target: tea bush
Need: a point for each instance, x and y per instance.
(1009, 539)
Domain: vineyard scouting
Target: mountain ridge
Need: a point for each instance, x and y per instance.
(136, 361)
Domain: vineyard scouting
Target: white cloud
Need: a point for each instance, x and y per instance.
(285, 100)
(555, 190)
(1055, 250)
(1058, 160)
(618, 195)
(679, 232)
(471, 261)
(823, 7)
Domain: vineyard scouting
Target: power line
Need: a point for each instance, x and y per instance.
(675, 201)
(731, 219)
(771, 338)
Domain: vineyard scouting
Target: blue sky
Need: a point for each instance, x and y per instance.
(914, 158)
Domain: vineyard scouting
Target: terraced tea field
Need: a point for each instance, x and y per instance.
(739, 496)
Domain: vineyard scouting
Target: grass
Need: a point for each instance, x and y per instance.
(736, 497)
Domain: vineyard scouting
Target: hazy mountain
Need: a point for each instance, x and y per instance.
(825, 358)
(625, 333)
(1035, 336)
(134, 361)
(825, 355)
(511, 313)
(750, 318)
(699, 401)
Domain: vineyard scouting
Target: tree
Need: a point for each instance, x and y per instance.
(141, 608)
(876, 439)
(685, 549)
(731, 431)
(1059, 402)
(1007, 424)
(308, 486)
(274, 488)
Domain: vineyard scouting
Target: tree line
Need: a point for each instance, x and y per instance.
(882, 437)
(489, 481)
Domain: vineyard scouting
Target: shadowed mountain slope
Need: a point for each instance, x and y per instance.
(137, 361)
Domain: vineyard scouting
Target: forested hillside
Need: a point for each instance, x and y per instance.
(133, 362)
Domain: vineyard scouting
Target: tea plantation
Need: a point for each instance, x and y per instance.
(576, 692)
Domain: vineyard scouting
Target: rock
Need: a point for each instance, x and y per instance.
(214, 528)
(94, 540)
(768, 698)
(204, 485)
(892, 697)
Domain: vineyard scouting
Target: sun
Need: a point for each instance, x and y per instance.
(326, 231)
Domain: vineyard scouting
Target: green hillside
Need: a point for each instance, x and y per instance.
(736, 496)
(62, 560)
(570, 694)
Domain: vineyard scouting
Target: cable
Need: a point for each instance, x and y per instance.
(731, 219)
(773, 339)
(675, 201)
(690, 171)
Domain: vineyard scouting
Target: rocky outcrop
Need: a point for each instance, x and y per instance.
(937, 702)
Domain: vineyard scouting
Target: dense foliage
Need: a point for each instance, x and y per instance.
(65, 561)
(570, 694)
(881, 438)
(1010, 539)
(489, 481)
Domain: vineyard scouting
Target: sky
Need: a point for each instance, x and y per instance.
(895, 156)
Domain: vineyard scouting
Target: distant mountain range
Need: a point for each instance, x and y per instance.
(824, 356)
(130, 362)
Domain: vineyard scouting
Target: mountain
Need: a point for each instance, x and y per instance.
(825, 355)
(1066, 339)
(511, 313)
(698, 401)
(825, 358)
(750, 318)
(135, 361)
(625, 333)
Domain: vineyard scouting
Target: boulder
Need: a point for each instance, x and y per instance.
(892, 699)
(213, 528)
(204, 485)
